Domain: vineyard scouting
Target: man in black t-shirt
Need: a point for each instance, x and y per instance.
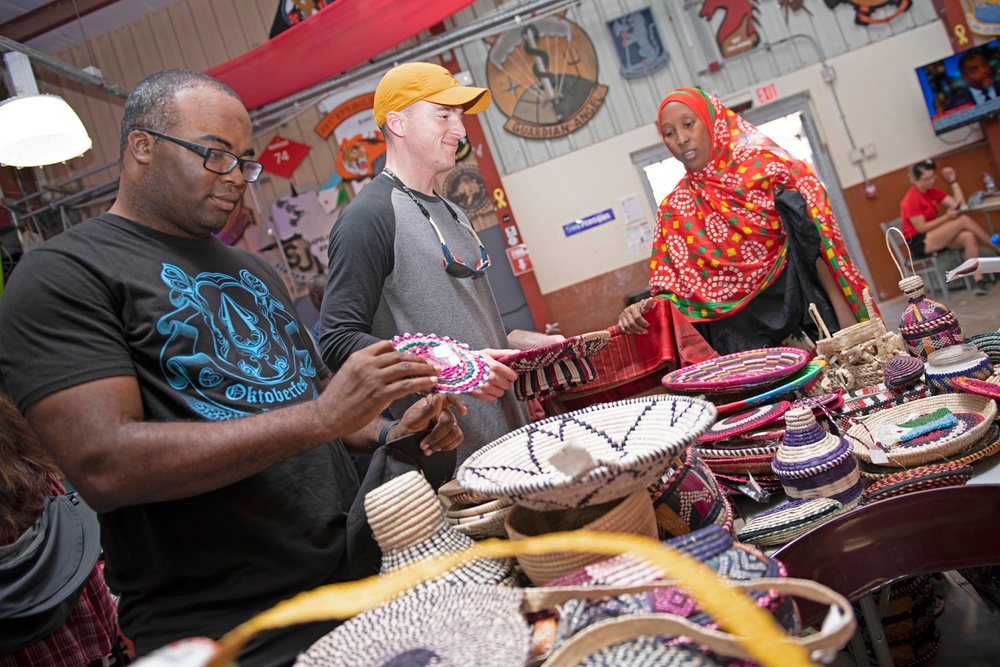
(175, 386)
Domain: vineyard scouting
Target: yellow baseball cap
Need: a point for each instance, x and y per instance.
(411, 82)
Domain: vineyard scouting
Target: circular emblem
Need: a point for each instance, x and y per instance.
(464, 185)
(544, 78)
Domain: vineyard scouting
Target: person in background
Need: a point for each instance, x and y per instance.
(721, 253)
(928, 229)
(980, 79)
(171, 380)
(386, 271)
(55, 609)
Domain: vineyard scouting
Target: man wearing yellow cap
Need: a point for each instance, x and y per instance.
(402, 259)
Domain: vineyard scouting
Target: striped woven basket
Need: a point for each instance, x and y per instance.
(917, 479)
(786, 522)
(813, 463)
(985, 448)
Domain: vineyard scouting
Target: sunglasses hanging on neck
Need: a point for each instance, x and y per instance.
(452, 265)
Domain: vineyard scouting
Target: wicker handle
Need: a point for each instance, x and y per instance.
(616, 630)
(906, 245)
(824, 332)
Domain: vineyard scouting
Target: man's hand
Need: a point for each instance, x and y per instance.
(521, 339)
(368, 382)
(631, 320)
(434, 410)
(500, 379)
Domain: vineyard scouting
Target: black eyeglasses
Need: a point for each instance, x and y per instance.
(452, 265)
(217, 160)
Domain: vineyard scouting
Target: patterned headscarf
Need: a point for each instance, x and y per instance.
(719, 240)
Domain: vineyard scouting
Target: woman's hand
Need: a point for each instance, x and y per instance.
(948, 174)
(631, 320)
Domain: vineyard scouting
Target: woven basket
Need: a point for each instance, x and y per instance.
(985, 448)
(988, 343)
(786, 522)
(926, 325)
(957, 440)
(629, 444)
(813, 463)
(917, 479)
(856, 355)
(946, 365)
(738, 372)
(687, 497)
(633, 514)
(408, 523)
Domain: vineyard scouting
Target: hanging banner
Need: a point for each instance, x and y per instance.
(543, 77)
(282, 156)
(637, 41)
(737, 33)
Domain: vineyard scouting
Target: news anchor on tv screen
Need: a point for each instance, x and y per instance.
(980, 81)
(962, 88)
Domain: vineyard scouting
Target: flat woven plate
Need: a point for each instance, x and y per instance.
(818, 404)
(902, 370)
(975, 415)
(584, 345)
(801, 379)
(917, 479)
(737, 372)
(630, 442)
(786, 522)
(745, 421)
(977, 386)
(461, 369)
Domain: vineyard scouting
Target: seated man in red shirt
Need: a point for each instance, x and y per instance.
(926, 231)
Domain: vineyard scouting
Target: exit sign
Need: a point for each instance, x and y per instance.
(766, 93)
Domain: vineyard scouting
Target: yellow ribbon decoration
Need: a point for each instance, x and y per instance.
(499, 198)
(735, 613)
(960, 34)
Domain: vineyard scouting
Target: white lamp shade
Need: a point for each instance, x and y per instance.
(36, 130)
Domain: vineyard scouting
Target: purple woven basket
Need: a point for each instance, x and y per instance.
(926, 325)
(812, 463)
(903, 370)
(738, 372)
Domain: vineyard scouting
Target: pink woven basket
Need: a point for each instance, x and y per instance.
(738, 372)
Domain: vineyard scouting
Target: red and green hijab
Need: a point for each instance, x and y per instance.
(719, 240)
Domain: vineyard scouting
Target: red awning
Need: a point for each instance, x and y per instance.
(337, 38)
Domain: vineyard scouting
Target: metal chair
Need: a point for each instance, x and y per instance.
(928, 267)
(861, 551)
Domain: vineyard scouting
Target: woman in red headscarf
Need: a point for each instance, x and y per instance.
(723, 256)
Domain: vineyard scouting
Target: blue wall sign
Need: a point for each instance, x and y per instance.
(590, 221)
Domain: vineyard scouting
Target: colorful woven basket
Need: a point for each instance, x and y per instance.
(577, 347)
(687, 497)
(800, 380)
(460, 369)
(926, 325)
(822, 403)
(903, 370)
(985, 448)
(975, 415)
(813, 463)
(745, 421)
(977, 386)
(786, 522)
(738, 372)
(917, 479)
(590, 456)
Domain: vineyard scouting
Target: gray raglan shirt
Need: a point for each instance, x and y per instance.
(387, 278)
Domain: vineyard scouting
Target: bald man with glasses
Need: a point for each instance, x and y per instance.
(176, 388)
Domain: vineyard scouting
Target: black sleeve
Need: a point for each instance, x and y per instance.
(360, 257)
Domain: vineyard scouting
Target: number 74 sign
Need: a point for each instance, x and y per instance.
(282, 156)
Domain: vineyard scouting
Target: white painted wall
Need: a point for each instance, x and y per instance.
(882, 104)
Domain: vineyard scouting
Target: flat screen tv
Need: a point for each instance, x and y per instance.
(962, 88)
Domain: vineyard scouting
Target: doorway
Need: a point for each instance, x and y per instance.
(790, 123)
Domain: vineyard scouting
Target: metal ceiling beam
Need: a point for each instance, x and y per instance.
(61, 68)
(49, 17)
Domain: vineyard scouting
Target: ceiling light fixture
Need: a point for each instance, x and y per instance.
(37, 129)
